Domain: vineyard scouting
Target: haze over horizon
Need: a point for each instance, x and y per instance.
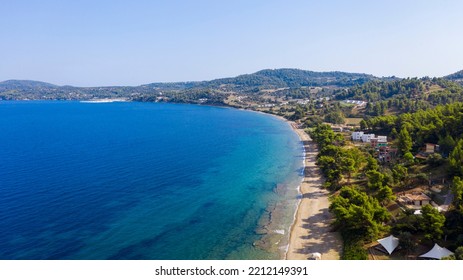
(132, 43)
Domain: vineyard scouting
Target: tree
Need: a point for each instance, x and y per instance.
(299, 113)
(456, 158)
(348, 166)
(363, 125)
(358, 214)
(330, 168)
(446, 144)
(407, 242)
(457, 190)
(323, 135)
(432, 222)
(358, 156)
(313, 121)
(375, 179)
(335, 117)
(409, 158)
(400, 174)
(459, 253)
(434, 159)
(394, 133)
(372, 164)
(405, 141)
(385, 194)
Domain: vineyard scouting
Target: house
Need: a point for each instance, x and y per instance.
(380, 141)
(357, 135)
(386, 154)
(367, 137)
(415, 198)
(382, 138)
(419, 199)
(428, 149)
(431, 148)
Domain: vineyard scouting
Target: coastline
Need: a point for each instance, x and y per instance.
(311, 230)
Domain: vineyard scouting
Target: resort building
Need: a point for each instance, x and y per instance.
(380, 141)
(366, 138)
(357, 135)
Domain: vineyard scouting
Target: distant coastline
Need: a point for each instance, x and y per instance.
(105, 100)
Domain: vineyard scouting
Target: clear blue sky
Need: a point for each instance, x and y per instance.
(93, 43)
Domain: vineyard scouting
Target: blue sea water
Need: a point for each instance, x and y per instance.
(129, 180)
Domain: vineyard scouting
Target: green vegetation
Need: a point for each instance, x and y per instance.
(291, 83)
(405, 95)
(442, 124)
(458, 255)
(456, 77)
(358, 212)
(432, 223)
(358, 206)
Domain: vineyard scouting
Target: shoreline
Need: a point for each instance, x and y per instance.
(311, 229)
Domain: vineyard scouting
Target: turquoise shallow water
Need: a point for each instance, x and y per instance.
(143, 181)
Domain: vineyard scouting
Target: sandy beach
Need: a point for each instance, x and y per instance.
(311, 231)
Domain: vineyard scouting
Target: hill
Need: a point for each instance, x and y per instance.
(273, 79)
(456, 77)
(269, 79)
(24, 84)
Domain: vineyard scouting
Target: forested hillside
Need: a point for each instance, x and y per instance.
(407, 95)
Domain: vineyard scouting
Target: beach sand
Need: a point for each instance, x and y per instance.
(311, 231)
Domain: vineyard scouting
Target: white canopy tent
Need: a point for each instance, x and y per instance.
(437, 252)
(389, 243)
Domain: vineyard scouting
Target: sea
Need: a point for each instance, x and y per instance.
(143, 181)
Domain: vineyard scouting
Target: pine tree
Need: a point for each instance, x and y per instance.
(457, 190)
(456, 158)
(405, 141)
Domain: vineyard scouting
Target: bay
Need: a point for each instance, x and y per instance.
(129, 180)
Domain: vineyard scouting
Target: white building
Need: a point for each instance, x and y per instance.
(357, 135)
(367, 137)
(382, 139)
